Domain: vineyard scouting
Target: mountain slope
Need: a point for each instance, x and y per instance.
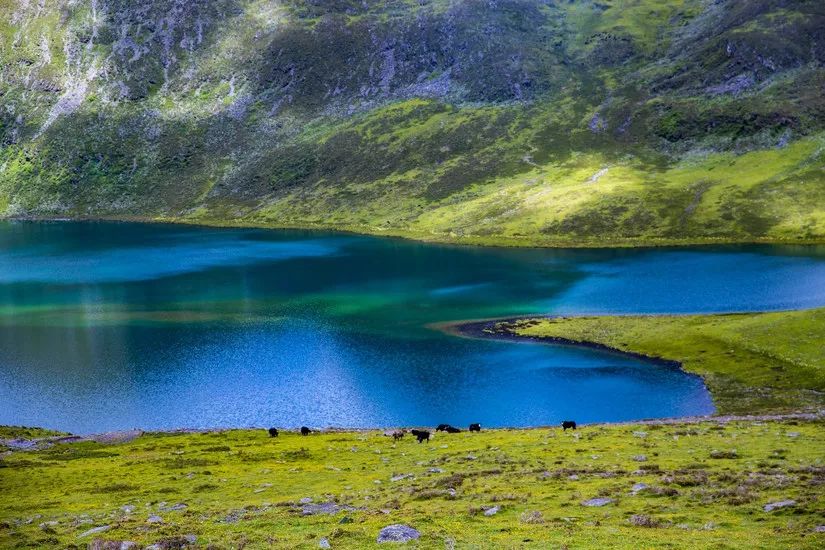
(509, 121)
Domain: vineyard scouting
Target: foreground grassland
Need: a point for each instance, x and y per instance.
(699, 485)
(752, 362)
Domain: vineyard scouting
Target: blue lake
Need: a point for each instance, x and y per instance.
(115, 325)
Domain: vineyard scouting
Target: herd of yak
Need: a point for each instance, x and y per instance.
(424, 435)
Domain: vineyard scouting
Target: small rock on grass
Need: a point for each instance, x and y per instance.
(95, 531)
(154, 519)
(492, 511)
(639, 487)
(771, 506)
(398, 533)
(324, 543)
(819, 529)
(100, 544)
(601, 501)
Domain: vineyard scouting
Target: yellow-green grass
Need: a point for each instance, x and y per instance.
(751, 362)
(588, 199)
(706, 487)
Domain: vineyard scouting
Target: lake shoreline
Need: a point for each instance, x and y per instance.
(125, 436)
(442, 238)
(732, 364)
(486, 329)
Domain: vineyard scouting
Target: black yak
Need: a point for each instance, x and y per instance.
(305, 430)
(442, 427)
(568, 424)
(452, 430)
(421, 435)
(273, 432)
(475, 427)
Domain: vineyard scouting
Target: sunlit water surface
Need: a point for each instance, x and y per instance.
(112, 325)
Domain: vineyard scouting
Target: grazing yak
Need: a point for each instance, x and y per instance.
(273, 432)
(447, 428)
(305, 430)
(568, 424)
(396, 434)
(475, 427)
(421, 435)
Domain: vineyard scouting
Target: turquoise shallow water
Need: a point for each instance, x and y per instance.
(114, 325)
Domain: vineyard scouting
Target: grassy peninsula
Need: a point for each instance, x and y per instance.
(751, 362)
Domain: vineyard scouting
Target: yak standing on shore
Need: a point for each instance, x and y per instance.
(421, 435)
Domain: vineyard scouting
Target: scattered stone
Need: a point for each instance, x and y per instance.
(533, 517)
(173, 543)
(771, 506)
(127, 509)
(642, 520)
(819, 529)
(174, 507)
(100, 544)
(116, 437)
(600, 501)
(305, 500)
(323, 508)
(398, 533)
(640, 458)
(640, 434)
(436, 471)
(191, 538)
(399, 477)
(49, 525)
(638, 487)
(324, 543)
(792, 434)
(94, 531)
(492, 511)
(724, 454)
(154, 519)
(573, 477)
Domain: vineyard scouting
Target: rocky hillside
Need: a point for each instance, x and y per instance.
(505, 121)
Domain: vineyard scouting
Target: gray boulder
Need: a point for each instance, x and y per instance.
(601, 501)
(771, 506)
(398, 533)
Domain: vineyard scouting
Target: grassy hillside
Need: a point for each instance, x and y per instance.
(752, 362)
(518, 122)
(704, 485)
